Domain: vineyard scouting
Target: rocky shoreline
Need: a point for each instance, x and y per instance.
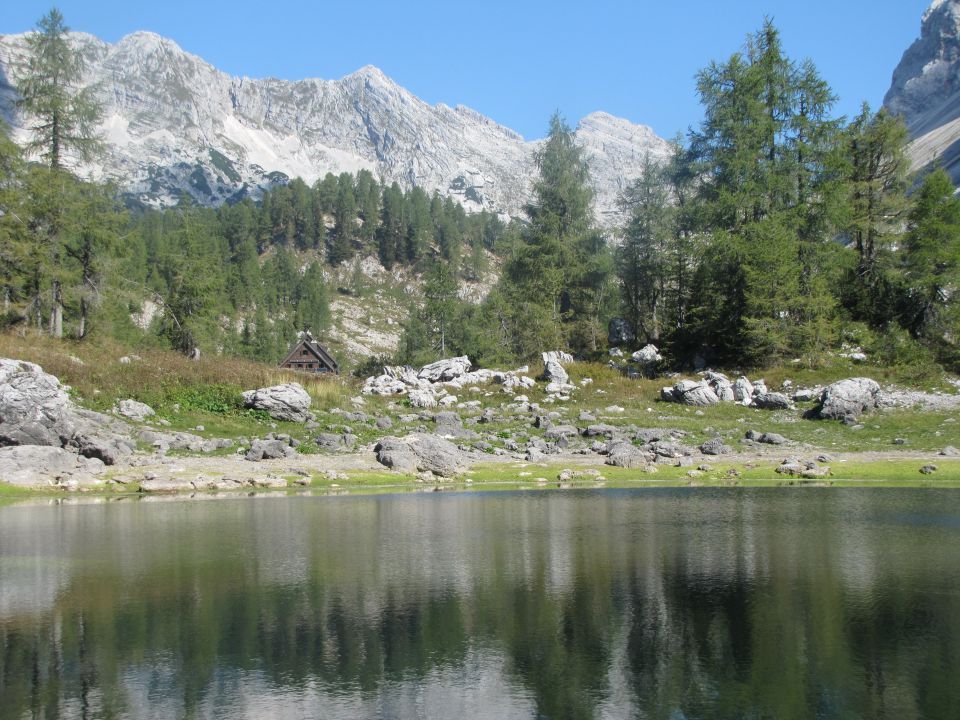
(430, 437)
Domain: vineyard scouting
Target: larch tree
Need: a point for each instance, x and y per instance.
(559, 270)
(64, 114)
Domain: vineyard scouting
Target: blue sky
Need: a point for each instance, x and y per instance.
(518, 61)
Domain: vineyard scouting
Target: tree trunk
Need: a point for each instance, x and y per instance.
(82, 330)
(56, 315)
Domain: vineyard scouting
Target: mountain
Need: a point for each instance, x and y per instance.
(174, 123)
(926, 89)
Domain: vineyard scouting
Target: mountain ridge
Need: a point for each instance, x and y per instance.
(174, 123)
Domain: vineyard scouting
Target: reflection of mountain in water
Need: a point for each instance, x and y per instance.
(608, 604)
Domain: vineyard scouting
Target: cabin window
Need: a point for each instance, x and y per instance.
(304, 352)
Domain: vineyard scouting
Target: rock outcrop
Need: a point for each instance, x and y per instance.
(36, 466)
(36, 410)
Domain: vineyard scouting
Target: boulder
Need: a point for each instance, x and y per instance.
(396, 455)
(847, 399)
(420, 452)
(269, 450)
(564, 358)
(723, 389)
(282, 402)
(384, 385)
(34, 407)
(555, 432)
(450, 425)
(600, 429)
(697, 394)
(772, 401)
(135, 410)
(666, 449)
(647, 355)
(743, 390)
(766, 438)
(715, 446)
(445, 370)
(511, 382)
(422, 399)
(332, 442)
(806, 394)
(553, 372)
(808, 470)
(621, 453)
(619, 332)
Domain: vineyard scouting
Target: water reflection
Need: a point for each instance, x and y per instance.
(601, 604)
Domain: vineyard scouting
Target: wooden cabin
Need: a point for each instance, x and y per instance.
(307, 355)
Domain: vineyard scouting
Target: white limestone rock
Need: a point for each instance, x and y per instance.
(135, 410)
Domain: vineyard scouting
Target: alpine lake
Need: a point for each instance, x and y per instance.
(637, 603)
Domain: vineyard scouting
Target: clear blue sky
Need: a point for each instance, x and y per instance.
(517, 61)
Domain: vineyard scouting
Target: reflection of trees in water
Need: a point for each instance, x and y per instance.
(723, 606)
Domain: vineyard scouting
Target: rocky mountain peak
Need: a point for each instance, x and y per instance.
(175, 124)
(926, 73)
(925, 90)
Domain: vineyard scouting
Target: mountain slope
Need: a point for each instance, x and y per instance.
(174, 123)
(926, 89)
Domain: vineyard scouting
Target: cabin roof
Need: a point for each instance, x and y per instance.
(316, 349)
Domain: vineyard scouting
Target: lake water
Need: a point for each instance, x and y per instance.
(676, 604)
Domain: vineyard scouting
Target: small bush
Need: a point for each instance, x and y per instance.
(216, 399)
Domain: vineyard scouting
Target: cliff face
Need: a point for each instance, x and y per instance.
(926, 89)
(174, 123)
